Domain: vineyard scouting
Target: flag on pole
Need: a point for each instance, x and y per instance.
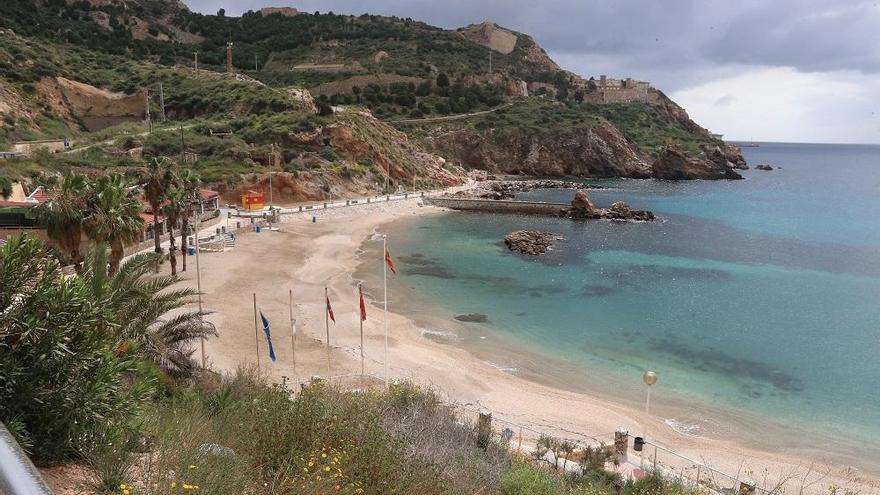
(268, 336)
(389, 261)
(363, 304)
(330, 310)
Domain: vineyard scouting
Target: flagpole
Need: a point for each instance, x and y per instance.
(361, 319)
(256, 333)
(292, 333)
(385, 313)
(327, 327)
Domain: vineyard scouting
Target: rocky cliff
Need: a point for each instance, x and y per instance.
(599, 151)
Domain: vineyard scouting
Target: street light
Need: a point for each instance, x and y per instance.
(199, 272)
(650, 378)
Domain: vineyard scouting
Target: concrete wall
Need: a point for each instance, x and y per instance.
(499, 206)
(28, 147)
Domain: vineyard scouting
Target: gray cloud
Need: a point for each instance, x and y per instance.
(640, 38)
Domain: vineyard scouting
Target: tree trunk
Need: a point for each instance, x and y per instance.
(184, 229)
(172, 250)
(157, 234)
(117, 252)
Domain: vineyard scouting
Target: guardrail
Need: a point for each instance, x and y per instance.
(18, 476)
(325, 205)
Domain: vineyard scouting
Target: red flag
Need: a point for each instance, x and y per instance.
(389, 261)
(363, 304)
(330, 310)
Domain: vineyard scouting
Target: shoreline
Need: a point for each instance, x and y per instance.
(307, 256)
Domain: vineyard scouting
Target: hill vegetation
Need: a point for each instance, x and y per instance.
(399, 69)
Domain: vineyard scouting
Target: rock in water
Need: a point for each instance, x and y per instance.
(673, 163)
(531, 242)
(764, 167)
(622, 211)
(583, 207)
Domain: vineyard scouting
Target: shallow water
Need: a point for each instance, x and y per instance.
(755, 300)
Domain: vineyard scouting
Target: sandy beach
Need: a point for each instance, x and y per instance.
(307, 257)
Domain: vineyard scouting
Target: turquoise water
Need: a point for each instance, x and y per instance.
(752, 299)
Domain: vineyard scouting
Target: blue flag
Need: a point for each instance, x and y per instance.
(268, 336)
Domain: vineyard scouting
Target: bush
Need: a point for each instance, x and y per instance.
(529, 480)
(61, 376)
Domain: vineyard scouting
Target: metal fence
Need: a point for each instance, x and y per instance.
(18, 476)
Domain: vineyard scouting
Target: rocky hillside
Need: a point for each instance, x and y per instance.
(87, 71)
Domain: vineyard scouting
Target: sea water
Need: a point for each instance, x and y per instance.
(757, 302)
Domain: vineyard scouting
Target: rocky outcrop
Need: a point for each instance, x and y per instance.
(673, 163)
(764, 167)
(728, 155)
(622, 211)
(531, 242)
(599, 151)
(97, 108)
(583, 208)
(491, 36)
(303, 100)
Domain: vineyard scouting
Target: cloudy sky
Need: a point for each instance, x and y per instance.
(771, 70)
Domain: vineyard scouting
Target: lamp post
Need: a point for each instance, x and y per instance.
(650, 378)
(199, 274)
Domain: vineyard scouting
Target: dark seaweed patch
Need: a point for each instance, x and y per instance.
(595, 290)
(716, 361)
(635, 274)
(430, 271)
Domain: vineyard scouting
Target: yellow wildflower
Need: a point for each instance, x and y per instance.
(123, 486)
(173, 484)
(323, 456)
(125, 491)
(192, 466)
(326, 469)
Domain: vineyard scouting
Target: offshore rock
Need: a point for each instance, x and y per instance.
(622, 211)
(583, 208)
(531, 242)
(673, 163)
(729, 156)
(764, 167)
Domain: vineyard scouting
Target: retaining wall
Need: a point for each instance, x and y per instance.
(499, 206)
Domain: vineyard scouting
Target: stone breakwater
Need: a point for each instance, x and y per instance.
(581, 207)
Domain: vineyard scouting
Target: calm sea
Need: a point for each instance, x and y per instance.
(757, 301)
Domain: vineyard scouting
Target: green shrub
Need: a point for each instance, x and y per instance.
(61, 377)
(529, 480)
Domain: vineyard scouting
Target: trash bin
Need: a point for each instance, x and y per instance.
(638, 444)
(314, 219)
(191, 250)
(257, 228)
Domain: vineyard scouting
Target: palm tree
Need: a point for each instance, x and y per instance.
(63, 215)
(113, 216)
(148, 313)
(190, 183)
(158, 177)
(176, 207)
